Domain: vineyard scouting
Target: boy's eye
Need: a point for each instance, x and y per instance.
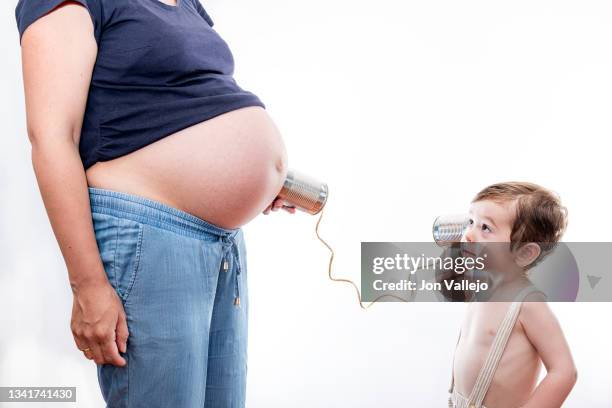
(485, 227)
(470, 221)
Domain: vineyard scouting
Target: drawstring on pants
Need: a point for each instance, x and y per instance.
(229, 245)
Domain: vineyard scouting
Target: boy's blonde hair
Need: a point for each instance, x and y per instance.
(539, 218)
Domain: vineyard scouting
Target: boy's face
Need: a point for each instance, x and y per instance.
(489, 222)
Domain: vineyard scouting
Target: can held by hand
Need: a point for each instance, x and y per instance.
(304, 192)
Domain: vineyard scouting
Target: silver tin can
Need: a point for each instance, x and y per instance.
(303, 192)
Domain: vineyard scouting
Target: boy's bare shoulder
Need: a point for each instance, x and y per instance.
(534, 309)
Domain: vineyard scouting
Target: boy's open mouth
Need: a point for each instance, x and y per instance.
(471, 250)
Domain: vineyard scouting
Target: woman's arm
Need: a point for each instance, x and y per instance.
(58, 54)
(544, 332)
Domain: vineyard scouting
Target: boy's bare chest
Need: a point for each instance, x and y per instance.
(479, 329)
(482, 322)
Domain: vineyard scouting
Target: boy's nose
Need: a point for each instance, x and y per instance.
(468, 235)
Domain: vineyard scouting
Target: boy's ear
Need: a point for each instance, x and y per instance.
(526, 254)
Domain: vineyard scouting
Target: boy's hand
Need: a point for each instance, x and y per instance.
(279, 203)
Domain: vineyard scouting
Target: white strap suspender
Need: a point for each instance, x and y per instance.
(487, 371)
(452, 385)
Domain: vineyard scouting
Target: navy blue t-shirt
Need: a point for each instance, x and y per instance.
(160, 68)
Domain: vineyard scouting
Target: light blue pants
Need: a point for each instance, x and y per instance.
(178, 277)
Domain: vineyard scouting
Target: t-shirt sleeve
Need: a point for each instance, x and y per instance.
(28, 11)
(203, 12)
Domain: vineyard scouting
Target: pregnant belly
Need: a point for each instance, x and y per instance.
(225, 170)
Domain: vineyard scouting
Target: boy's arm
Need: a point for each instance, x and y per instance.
(543, 330)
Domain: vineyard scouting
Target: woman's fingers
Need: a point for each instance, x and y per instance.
(103, 346)
(277, 204)
(85, 349)
(84, 342)
(282, 204)
(96, 352)
(110, 353)
(122, 333)
(107, 338)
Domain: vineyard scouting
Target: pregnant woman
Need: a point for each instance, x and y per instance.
(149, 158)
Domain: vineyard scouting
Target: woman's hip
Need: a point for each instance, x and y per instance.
(151, 249)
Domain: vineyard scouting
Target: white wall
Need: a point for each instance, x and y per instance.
(406, 109)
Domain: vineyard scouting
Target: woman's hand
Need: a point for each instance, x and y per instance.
(279, 203)
(99, 323)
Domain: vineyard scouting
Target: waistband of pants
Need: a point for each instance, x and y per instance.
(460, 401)
(155, 213)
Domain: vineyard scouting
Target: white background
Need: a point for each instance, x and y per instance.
(406, 109)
